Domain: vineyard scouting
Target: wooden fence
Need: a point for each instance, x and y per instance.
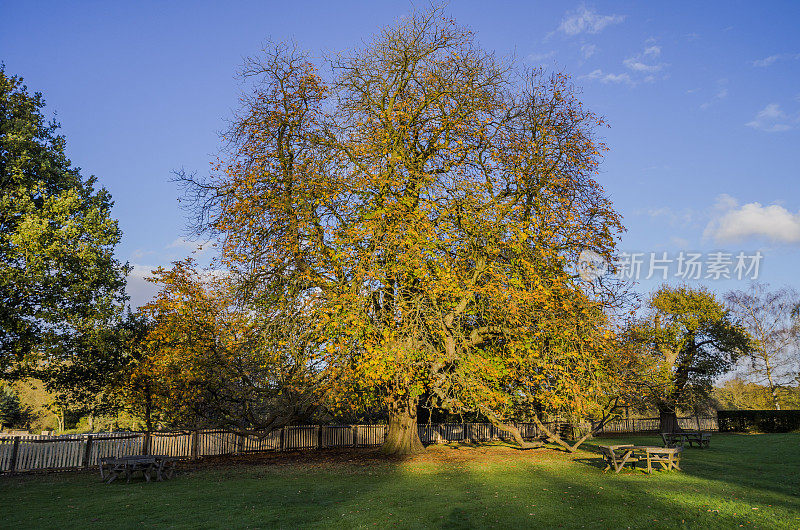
(644, 425)
(22, 453)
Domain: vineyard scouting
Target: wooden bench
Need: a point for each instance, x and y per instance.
(163, 467)
(702, 439)
(679, 439)
(667, 457)
(617, 456)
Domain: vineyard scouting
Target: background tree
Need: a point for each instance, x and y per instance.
(424, 205)
(767, 316)
(739, 394)
(203, 361)
(60, 286)
(695, 340)
(12, 412)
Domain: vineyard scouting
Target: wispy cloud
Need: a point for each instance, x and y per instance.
(734, 223)
(773, 119)
(766, 61)
(643, 67)
(674, 217)
(772, 59)
(605, 77)
(541, 59)
(587, 50)
(586, 20)
(138, 288)
(719, 95)
(646, 61)
(195, 247)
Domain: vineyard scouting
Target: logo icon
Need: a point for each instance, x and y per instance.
(591, 265)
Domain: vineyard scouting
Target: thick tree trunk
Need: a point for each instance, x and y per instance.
(403, 436)
(668, 422)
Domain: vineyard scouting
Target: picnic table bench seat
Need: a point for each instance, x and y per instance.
(617, 456)
(667, 457)
(676, 439)
(163, 467)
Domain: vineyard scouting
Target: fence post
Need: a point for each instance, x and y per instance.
(355, 435)
(319, 436)
(87, 451)
(146, 443)
(195, 444)
(239, 443)
(14, 451)
(282, 437)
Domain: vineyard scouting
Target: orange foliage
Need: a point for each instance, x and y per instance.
(425, 202)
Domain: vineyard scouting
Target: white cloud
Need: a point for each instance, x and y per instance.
(734, 223)
(587, 50)
(679, 242)
(195, 247)
(644, 61)
(541, 59)
(725, 202)
(140, 253)
(772, 119)
(766, 61)
(140, 290)
(642, 66)
(721, 94)
(652, 51)
(674, 217)
(637, 66)
(586, 20)
(603, 77)
(772, 59)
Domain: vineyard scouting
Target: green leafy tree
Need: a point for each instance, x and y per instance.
(61, 288)
(12, 412)
(694, 340)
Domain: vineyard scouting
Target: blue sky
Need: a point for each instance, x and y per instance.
(703, 103)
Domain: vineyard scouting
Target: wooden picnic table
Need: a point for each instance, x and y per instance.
(673, 439)
(162, 466)
(617, 456)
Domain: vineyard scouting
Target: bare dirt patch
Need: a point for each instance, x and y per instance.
(350, 458)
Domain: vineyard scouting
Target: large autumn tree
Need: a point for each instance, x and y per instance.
(424, 201)
(61, 289)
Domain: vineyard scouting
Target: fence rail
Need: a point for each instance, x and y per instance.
(20, 453)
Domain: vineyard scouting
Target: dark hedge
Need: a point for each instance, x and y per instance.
(758, 420)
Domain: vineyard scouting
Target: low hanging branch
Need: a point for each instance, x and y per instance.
(511, 429)
(608, 414)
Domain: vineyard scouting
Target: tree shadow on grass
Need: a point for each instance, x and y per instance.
(763, 462)
(557, 496)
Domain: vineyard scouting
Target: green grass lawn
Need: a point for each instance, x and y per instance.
(750, 481)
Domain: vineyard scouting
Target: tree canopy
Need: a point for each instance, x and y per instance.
(61, 288)
(428, 199)
(423, 203)
(694, 340)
